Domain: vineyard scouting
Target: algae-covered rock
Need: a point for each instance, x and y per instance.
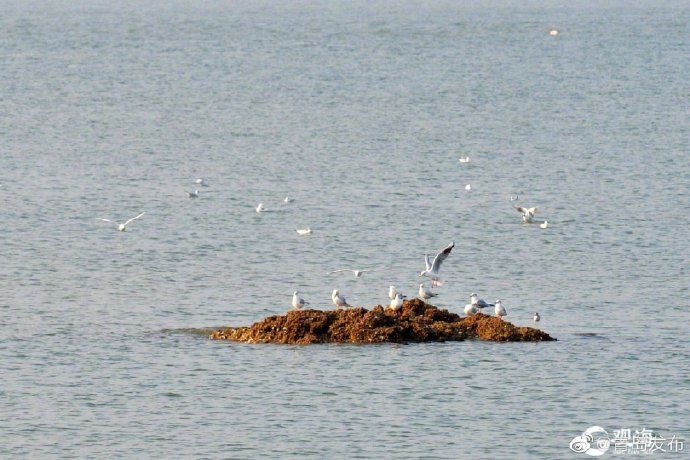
(417, 321)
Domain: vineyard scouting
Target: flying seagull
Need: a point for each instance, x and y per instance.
(123, 227)
(527, 213)
(357, 273)
(499, 309)
(432, 268)
(297, 301)
(425, 293)
(339, 300)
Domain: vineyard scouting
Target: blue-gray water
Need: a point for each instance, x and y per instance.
(360, 112)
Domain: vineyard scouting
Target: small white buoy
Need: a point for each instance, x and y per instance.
(545, 224)
(553, 32)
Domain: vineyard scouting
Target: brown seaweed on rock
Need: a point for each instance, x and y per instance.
(417, 321)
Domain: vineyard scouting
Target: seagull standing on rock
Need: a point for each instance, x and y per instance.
(477, 302)
(297, 301)
(392, 292)
(338, 300)
(499, 309)
(425, 293)
(397, 302)
(471, 309)
(432, 268)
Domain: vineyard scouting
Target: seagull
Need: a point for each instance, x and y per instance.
(477, 302)
(339, 300)
(536, 317)
(471, 309)
(297, 301)
(303, 231)
(201, 182)
(397, 302)
(545, 224)
(553, 32)
(357, 273)
(425, 293)
(392, 292)
(499, 309)
(468, 187)
(514, 197)
(527, 213)
(432, 268)
(123, 227)
(194, 194)
(260, 208)
(464, 160)
(288, 200)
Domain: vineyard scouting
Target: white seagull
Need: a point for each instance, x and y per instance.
(514, 197)
(194, 194)
(297, 301)
(338, 300)
(200, 182)
(357, 273)
(288, 200)
(499, 309)
(471, 309)
(304, 231)
(260, 208)
(477, 302)
(392, 292)
(397, 302)
(545, 224)
(527, 213)
(536, 317)
(123, 227)
(425, 293)
(432, 268)
(553, 32)
(464, 159)
(468, 187)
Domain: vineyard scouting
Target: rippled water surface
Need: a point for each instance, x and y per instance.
(360, 112)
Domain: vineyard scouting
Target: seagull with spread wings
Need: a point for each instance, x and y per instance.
(123, 227)
(357, 273)
(433, 267)
(527, 213)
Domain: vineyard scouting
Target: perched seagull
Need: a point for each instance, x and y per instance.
(425, 293)
(553, 32)
(471, 309)
(477, 302)
(260, 208)
(194, 194)
(545, 224)
(468, 187)
(432, 268)
(297, 301)
(514, 197)
(288, 200)
(201, 182)
(339, 300)
(304, 231)
(527, 213)
(123, 227)
(392, 292)
(499, 309)
(536, 317)
(464, 159)
(357, 273)
(397, 302)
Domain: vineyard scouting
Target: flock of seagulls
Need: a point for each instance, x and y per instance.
(431, 270)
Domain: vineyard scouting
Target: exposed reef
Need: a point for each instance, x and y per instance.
(415, 322)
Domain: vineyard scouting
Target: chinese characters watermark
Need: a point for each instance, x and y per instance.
(596, 441)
